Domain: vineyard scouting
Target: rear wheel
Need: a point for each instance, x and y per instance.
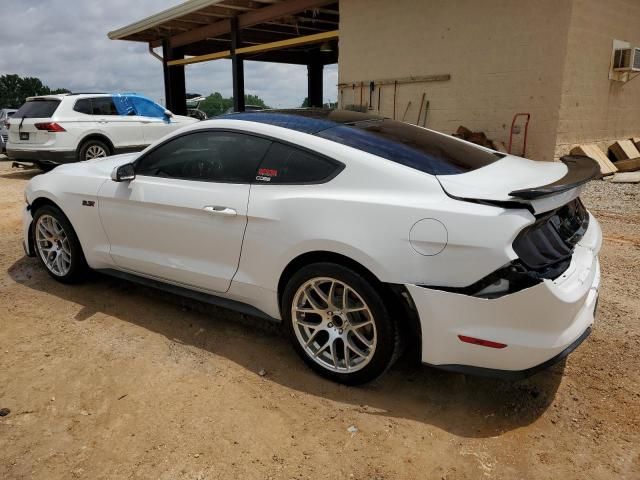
(339, 324)
(93, 149)
(57, 245)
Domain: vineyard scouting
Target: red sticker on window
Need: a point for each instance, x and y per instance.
(268, 172)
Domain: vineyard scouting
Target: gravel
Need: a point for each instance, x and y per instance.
(613, 197)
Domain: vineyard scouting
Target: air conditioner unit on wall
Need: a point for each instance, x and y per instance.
(626, 60)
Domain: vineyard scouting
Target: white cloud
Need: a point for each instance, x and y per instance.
(65, 44)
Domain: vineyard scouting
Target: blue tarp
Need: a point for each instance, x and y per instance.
(134, 104)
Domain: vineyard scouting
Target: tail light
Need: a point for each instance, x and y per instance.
(49, 127)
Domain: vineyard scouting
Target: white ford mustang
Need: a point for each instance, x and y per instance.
(356, 231)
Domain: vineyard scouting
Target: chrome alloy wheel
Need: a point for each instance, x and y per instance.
(95, 151)
(53, 245)
(334, 325)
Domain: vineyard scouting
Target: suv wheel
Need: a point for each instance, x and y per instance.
(339, 324)
(93, 149)
(57, 245)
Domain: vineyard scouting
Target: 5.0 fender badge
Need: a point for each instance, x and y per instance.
(88, 203)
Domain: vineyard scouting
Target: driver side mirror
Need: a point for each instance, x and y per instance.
(123, 173)
(168, 113)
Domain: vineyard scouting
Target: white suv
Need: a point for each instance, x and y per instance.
(54, 129)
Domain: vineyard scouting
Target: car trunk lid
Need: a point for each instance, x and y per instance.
(542, 186)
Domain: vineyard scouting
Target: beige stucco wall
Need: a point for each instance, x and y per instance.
(594, 108)
(504, 56)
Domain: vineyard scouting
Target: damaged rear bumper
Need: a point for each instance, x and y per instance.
(539, 325)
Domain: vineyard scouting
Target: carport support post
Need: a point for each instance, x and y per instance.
(174, 86)
(314, 79)
(237, 68)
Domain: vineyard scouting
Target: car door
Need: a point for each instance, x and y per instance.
(183, 217)
(123, 126)
(155, 124)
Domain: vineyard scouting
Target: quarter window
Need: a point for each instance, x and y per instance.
(285, 164)
(206, 156)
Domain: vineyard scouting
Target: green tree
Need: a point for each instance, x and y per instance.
(215, 104)
(254, 100)
(15, 89)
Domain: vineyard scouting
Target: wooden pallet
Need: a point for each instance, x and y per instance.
(624, 149)
(628, 165)
(593, 151)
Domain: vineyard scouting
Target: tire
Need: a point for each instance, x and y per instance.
(93, 149)
(53, 235)
(370, 330)
(45, 167)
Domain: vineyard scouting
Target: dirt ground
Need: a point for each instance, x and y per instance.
(110, 380)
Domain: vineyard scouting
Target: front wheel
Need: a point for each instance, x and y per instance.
(339, 324)
(57, 245)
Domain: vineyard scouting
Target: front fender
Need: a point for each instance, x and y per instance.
(77, 197)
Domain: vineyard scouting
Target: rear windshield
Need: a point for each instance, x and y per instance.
(412, 146)
(37, 109)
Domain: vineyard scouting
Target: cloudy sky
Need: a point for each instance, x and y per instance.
(65, 44)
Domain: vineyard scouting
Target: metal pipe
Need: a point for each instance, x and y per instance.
(395, 91)
(155, 54)
(421, 104)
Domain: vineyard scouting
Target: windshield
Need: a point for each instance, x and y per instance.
(37, 108)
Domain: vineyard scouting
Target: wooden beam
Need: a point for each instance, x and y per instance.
(253, 17)
(201, 58)
(263, 47)
(278, 10)
(290, 42)
(391, 81)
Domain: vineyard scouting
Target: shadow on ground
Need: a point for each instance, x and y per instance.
(463, 405)
(22, 173)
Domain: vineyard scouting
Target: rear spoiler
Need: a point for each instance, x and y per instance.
(581, 170)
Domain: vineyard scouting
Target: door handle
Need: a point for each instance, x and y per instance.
(218, 210)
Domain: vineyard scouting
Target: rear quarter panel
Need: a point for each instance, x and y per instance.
(366, 214)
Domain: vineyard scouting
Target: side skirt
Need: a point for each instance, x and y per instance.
(192, 294)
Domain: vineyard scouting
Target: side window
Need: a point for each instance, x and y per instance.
(146, 108)
(206, 156)
(103, 106)
(83, 106)
(284, 164)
